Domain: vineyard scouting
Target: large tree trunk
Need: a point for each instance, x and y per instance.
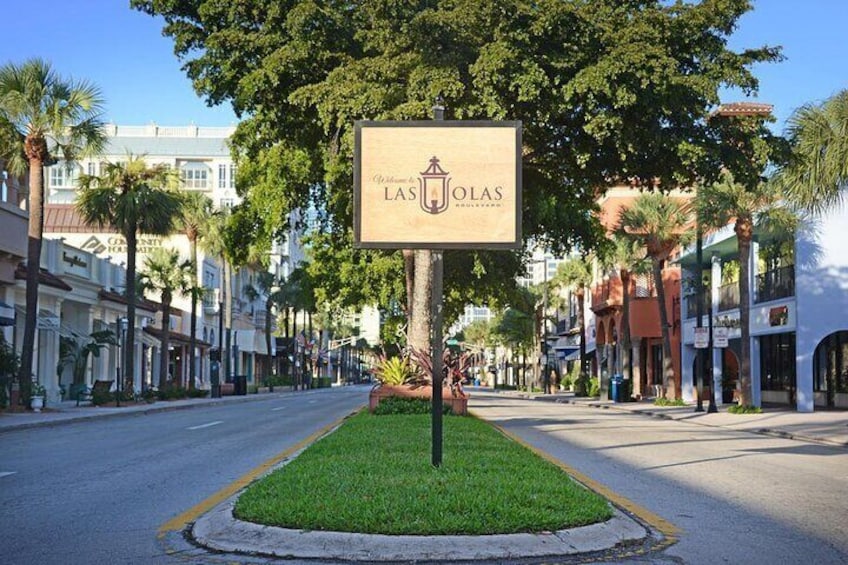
(192, 370)
(581, 322)
(129, 292)
(744, 233)
(36, 153)
(668, 367)
(419, 317)
(166, 338)
(409, 272)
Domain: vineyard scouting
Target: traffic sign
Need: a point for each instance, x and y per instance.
(720, 335)
(702, 338)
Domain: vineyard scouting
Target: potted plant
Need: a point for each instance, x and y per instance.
(74, 353)
(37, 398)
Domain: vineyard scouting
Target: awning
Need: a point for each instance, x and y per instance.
(244, 340)
(259, 345)
(567, 344)
(7, 314)
(573, 356)
(47, 320)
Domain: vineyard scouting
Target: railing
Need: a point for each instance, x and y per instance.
(778, 283)
(728, 296)
(692, 305)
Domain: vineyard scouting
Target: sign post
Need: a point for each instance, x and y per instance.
(437, 185)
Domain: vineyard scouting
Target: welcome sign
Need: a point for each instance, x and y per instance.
(437, 184)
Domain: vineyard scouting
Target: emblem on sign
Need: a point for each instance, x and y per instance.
(434, 184)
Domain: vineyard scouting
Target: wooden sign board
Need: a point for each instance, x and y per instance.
(437, 185)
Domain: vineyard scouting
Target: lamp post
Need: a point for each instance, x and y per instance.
(121, 326)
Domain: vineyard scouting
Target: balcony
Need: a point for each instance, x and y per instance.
(210, 302)
(606, 295)
(565, 325)
(692, 305)
(775, 284)
(728, 296)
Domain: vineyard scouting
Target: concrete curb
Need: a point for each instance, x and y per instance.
(219, 530)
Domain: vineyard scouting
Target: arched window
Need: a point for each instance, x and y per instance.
(830, 364)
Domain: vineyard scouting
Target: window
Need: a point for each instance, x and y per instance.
(222, 176)
(195, 176)
(777, 361)
(226, 203)
(62, 177)
(233, 169)
(92, 168)
(830, 364)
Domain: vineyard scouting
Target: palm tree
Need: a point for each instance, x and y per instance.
(725, 201)
(213, 242)
(818, 167)
(628, 257)
(43, 117)
(576, 273)
(660, 224)
(195, 212)
(131, 198)
(166, 274)
(269, 288)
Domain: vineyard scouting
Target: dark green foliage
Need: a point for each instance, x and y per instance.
(172, 393)
(101, 396)
(662, 401)
(197, 393)
(394, 405)
(607, 92)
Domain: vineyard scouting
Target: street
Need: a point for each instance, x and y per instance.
(99, 491)
(736, 497)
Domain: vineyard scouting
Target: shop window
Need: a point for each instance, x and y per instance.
(777, 361)
(830, 364)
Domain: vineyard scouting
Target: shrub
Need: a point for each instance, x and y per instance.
(325, 382)
(173, 393)
(198, 393)
(745, 409)
(100, 397)
(594, 388)
(394, 370)
(393, 405)
(663, 401)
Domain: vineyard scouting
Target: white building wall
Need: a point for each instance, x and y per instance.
(821, 286)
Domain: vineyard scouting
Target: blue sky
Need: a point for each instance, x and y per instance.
(123, 52)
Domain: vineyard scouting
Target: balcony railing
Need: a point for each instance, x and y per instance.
(692, 305)
(778, 283)
(728, 296)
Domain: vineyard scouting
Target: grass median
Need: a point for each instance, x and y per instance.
(373, 475)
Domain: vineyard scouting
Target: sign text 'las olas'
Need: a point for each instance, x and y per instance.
(437, 184)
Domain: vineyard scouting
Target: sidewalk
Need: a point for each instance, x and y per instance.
(828, 427)
(68, 411)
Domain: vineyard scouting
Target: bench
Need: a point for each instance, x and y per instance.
(99, 387)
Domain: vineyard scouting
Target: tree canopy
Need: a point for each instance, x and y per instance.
(607, 91)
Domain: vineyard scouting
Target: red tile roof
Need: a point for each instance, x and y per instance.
(64, 218)
(45, 277)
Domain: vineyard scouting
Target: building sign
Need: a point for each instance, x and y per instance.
(437, 184)
(75, 263)
(720, 336)
(113, 244)
(778, 316)
(47, 321)
(702, 338)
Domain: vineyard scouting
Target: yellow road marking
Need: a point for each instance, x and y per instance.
(178, 523)
(669, 530)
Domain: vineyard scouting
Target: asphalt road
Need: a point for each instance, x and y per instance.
(736, 497)
(97, 492)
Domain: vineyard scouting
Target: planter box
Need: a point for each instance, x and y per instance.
(458, 404)
(840, 400)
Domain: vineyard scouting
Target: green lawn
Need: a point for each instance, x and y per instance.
(373, 475)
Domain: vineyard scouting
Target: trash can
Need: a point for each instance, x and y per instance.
(616, 387)
(240, 385)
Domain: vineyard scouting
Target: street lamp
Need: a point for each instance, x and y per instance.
(121, 326)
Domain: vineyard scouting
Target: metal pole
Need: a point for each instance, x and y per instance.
(699, 323)
(438, 274)
(711, 407)
(546, 378)
(118, 363)
(436, 298)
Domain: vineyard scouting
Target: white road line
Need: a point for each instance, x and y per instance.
(6, 473)
(209, 425)
(280, 408)
(312, 402)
